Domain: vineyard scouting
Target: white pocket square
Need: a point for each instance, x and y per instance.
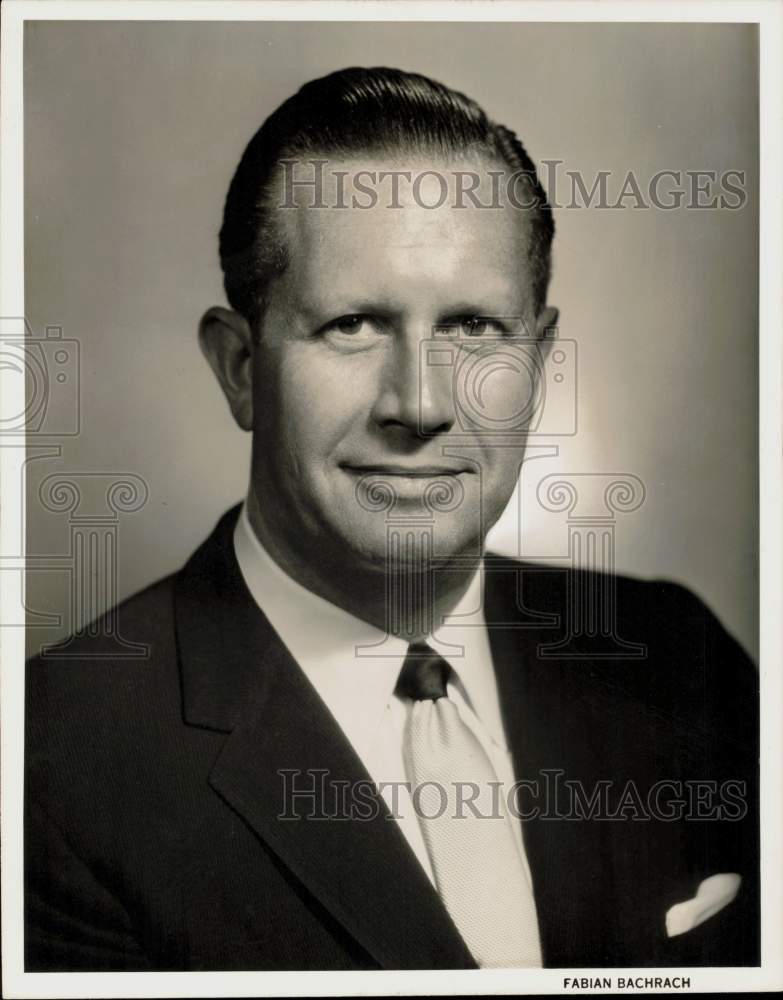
(712, 895)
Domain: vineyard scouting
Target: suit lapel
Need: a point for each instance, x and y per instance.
(239, 678)
(550, 729)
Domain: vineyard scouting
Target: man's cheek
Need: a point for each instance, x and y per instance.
(499, 476)
(330, 405)
(315, 422)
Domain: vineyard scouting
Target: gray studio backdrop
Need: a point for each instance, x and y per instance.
(132, 131)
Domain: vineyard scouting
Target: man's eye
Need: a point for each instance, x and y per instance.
(349, 325)
(478, 326)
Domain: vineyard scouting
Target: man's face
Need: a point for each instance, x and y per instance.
(355, 402)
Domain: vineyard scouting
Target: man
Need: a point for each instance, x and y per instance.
(314, 767)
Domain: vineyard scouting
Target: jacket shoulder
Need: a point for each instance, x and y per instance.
(657, 652)
(103, 674)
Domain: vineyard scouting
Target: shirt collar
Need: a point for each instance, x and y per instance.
(353, 665)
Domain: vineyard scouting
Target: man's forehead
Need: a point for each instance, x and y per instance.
(413, 200)
(399, 253)
(462, 181)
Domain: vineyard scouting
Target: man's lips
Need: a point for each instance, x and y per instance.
(407, 472)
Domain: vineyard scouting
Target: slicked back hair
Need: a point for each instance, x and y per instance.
(361, 111)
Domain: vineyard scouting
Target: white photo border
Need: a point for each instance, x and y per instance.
(768, 14)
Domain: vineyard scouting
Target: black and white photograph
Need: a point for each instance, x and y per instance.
(391, 443)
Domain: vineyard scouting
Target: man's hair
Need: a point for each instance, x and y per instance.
(362, 111)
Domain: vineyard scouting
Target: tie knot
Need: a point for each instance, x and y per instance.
(424, 674)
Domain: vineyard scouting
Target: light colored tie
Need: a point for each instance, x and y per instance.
(478, 870)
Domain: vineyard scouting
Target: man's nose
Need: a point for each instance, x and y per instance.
(417, 389)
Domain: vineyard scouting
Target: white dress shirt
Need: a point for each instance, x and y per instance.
(354, 668)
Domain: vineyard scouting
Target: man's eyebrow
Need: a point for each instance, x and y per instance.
(497, 306)
(476, 308)
(347, 306)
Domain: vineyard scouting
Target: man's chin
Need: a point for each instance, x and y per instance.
(409, 546)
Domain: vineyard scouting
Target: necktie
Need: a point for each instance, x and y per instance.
(478, 870)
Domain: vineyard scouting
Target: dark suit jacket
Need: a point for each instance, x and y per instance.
(153, 789)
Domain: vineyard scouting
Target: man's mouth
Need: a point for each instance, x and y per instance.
(405, 471)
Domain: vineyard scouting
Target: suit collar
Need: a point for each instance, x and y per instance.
(337, 651)
(217, 627)
(239, 678)
(354, 665)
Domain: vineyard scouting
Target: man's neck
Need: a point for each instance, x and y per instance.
(400, 600)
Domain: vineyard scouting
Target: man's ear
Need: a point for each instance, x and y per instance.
(546, 326)
(227, 342)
